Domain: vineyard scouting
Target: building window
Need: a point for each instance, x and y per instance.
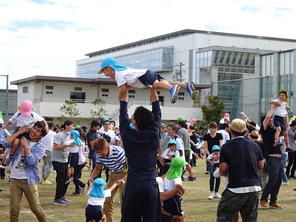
(131, 93)
(49, 90)
(78, 97)
(78, 88)
(104, 92)
(25, 89)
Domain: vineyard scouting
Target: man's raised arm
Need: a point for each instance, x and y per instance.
(155, 109)
(123, 115)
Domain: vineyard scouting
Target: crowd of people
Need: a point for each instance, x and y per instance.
(146, 161)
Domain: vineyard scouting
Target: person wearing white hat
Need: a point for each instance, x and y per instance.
(241, 160)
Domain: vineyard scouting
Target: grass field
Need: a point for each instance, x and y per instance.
(196, 205)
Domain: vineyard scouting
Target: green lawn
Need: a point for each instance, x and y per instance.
(196, 206)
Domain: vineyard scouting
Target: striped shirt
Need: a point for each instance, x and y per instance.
(115, 161)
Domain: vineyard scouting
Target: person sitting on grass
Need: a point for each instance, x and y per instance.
(96, 199)
(143, 78)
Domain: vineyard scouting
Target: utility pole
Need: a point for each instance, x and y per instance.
(179, 73)
(6, 99)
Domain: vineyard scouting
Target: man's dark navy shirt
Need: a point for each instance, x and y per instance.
(140, 146)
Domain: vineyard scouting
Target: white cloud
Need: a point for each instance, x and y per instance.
(99, 24)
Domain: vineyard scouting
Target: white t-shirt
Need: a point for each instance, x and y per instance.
(171, 184)
(215, 158)
(280, 110)
(47, 141)
(28, 121)
(160, 183)
(97, 201)
(225, 135)
(130, 76)
(168, 153)
(18, 173)
(108, 133)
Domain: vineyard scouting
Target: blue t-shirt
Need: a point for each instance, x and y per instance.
(242, 157)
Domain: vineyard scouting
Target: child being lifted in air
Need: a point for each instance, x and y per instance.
(143, 78)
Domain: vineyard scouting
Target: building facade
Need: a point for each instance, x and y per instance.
(222, 60)
(12, 102)
(48, 94)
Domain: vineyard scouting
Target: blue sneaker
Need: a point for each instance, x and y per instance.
(190, 88)
(174, 93)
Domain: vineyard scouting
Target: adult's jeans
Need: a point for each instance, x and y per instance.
(273, 168)
(283, 161)
(61, 178)
(292, 163)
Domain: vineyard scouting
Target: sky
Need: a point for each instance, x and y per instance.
(46, 37)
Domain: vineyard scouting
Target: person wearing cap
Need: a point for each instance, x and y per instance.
(173, 181)
(105, 130)
(96, 199)
(73, 157)
(59, 159)
(241, 160)
(143, 78)
(114, 158)
(214, 160)
(272, 164)
(25, 117)
(170, 152)
(280, 118)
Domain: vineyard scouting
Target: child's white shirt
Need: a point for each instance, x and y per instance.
(28, 121)
(98, 201)
(130, 76)
(280, 110)
(171, 184)
(214, 158)
(168, 153)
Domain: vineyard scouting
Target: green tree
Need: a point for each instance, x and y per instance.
(99, 111)
(214, 110)
(69, 111)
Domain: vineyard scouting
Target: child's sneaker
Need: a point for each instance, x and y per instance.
(275, 205)
(211, 196)
(47, 182)
(190, 88)
(285, 183)
(69, 180)
(174, 93)
(22, 164)
(218, 196)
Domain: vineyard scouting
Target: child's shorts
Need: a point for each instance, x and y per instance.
(73, 159)
(149, 78)
(279, 121)
(26, 134)
(173, 206)
(93, 212)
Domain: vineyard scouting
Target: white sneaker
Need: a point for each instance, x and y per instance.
(211, 196)
(218, 196)
(285, 183)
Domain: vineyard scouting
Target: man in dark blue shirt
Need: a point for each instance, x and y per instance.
(241, 160)
(141, 201)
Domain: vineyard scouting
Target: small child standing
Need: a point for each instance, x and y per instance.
(97, 195)
(143, 78)
(23, 118)
(280, 119)
(73, 153)
(170, 152)
(172, 181)
(214, 160)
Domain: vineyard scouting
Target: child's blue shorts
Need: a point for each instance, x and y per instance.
(279, 121)
(149, 78)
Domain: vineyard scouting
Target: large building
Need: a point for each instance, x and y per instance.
(12, 103)
(48, 93)
(214, 58)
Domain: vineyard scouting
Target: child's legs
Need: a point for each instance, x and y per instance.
(181, 84)
(217, 184)
(277, 133)
(162, 84)
(70, 171)
(212, 181)
(285, 133)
